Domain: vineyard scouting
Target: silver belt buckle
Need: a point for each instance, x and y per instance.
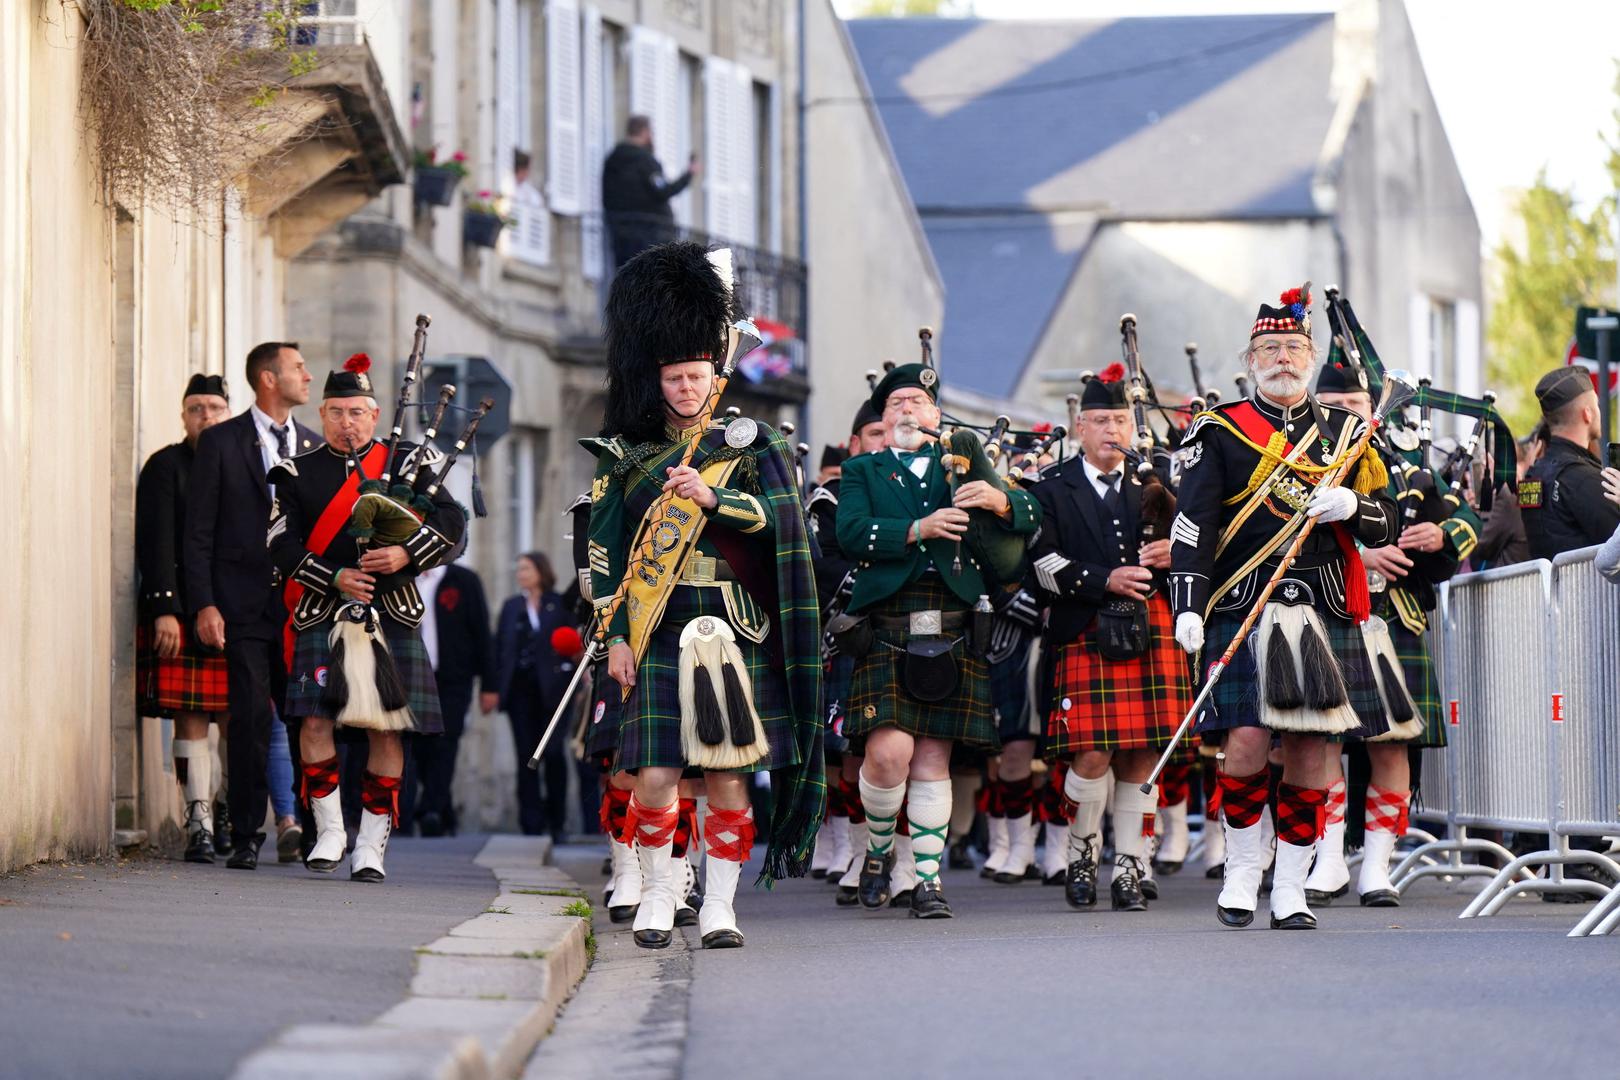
(925, 623)
(700, 570)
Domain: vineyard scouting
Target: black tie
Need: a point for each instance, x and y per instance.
(1112, 499)
(283, 449)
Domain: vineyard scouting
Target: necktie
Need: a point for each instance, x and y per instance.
(283, 450)
(1113, 499)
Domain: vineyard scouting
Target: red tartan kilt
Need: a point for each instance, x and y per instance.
(1101, 704)
(192, 681)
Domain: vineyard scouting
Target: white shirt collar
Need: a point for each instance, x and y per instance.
(1095, 475)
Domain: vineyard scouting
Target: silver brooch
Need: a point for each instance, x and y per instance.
(1291, 592)
(928, 377)
(741, 432)
(705, 627)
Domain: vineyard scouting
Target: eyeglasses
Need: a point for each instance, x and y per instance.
(206, 410)
(1297, 350)
(899, 400)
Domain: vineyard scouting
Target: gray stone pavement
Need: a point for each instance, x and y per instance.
(150, 968)
(1018, 984)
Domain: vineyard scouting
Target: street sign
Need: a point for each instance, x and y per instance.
(475, 378)
(1586, 333)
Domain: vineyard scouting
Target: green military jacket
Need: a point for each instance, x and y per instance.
(1414, 596)
(879, 498)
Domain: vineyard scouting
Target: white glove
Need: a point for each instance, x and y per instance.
(1190, 631)
(1333, 504)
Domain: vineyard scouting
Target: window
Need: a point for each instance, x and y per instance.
(596, 116)
(655, 92)
(729, 178)
(564, 179)
(526, 472)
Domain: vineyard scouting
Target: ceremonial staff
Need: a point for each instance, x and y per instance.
(742, 337)
(1398, 390)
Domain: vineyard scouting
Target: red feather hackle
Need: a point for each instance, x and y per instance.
(357, 363)
(1112, 373)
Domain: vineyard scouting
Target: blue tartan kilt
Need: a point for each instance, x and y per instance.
(1235, 702)
(650, 733)
(1009, 695)
(312, 659)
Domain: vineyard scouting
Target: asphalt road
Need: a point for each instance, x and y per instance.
(1019, 985)
(151, 968)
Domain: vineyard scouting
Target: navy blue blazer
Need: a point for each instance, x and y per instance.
(552, 672)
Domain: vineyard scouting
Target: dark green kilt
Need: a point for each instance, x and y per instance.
(1236, 700)
(1417, 665)
(312, 658)
(876, 698)
(650, 734)
(602, 717)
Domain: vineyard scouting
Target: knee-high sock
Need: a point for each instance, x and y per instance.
(1133, 818)
(1335, 803)
(652, 826)
(1387, 811)
(729, 834)
(380, 795)
(1175, 785)
(615, 803)
(852, 801)
(1089, 798)
(193, 766)
(685, 827)
(1300, 814)
(1244, 797)
(962, 805)
(882, 806)
(928, 808)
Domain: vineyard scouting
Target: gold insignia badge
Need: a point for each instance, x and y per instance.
(1530, 494)
(870, 712)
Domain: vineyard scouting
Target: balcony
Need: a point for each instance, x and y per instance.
(335, 141)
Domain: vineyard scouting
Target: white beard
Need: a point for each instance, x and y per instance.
(1280, 384)
(906, 437)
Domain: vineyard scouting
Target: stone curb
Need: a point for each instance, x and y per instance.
(483, 996)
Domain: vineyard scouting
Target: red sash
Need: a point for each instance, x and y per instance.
(333, 518)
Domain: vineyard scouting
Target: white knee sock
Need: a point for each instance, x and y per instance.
(928, 808)
(1089, 798)
(882, 807)
(1131, 807)
(199, 783)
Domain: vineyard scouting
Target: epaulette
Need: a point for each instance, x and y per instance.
(1207, 417)
(283, 470)
(582, 501)
(820, 494)
(597, 446)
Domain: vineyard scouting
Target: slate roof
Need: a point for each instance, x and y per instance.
(1016, 137)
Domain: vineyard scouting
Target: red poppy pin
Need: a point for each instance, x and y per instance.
(449, 598)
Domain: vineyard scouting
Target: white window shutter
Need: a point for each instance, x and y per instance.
(1419, 311)
(530, 238)
(594, 142)
(744, 177)
(506, 93)
(1469, 375)
(773, 140)
(719, 151)
(563, 164)
(655, 62)
(523, 115)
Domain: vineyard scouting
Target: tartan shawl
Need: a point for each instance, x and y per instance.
(799, 792)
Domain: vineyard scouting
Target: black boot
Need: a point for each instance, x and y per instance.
(1080, 887)
(874, 887)
(246, 853)
(959, 857)
(222, 826)
(928, 901)
(1126, 888)
(199, 840)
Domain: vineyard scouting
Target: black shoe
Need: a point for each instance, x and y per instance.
(1234, 918)
(652, 939)
(1318, 898)
(1007, 877)
(1378, 898)
(901, 898)
(959, 858)
(874, 887)
(1080, 884)
(1215, 873)
(224, 842)
(1566, 898)
(1265, 882)
(200, 846)
(847, 896)
(686, 916)
(624, 913)
(1150, 889)
(607, 866)
(1055, 878)
(1126, 888)
(1160, 867)
(246, 855)
(928, 902)
(723, 939)
(1299, 920)
(818, 874)
(431, 824)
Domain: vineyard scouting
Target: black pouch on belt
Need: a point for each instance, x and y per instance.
(851, 635)
(1122, 629)
(928, 670)
(980, 626)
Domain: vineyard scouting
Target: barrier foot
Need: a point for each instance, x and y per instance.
(1500, 881)
(1455, 866)
(1601, 919)
(1555, 883)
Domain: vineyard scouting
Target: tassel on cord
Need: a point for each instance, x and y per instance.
(742, 714)
(1400, 706)
(711, 722)
(479, 509)
(1404, 720)
(390, 687)
(1371, 475)
(1357, 600)
(1282, 678)
(1324, 682)
(335, 695)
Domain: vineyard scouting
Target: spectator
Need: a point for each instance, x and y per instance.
(456, 633)
(1502, 541)
(635, 195)
(1608, 556)
(529, 680)
(231, 587)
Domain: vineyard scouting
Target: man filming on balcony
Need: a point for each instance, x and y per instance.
(635, 194)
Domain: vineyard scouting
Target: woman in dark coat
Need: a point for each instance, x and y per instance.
(531, 677)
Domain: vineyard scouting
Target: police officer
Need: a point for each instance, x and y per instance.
(1561, 497)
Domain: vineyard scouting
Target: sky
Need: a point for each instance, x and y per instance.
(1520, 84)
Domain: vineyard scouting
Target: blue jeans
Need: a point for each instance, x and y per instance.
(280, 771)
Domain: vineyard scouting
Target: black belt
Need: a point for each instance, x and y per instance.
(948, 620)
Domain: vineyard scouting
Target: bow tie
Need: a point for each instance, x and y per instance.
(908, 456)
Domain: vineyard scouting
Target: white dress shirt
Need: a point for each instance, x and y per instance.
(919, 464)
(269, 449)
(427, 583)
(1095, 475)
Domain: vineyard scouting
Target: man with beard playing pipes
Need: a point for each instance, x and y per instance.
(1250, 471)
(339, 574)
(1437, 532)
(917, 687)
(705, 594)
(1118, 692)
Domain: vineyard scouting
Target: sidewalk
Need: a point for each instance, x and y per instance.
(151, 968)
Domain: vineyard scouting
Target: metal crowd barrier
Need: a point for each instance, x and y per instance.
(1529, 660)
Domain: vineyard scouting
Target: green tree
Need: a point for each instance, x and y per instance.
(879, 9)
(1566, 260)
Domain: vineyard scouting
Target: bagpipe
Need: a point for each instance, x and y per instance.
(1158, 502)
(364, 687)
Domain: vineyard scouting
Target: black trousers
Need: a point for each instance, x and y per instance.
(430, 764)
(529, 711)
(258, 681)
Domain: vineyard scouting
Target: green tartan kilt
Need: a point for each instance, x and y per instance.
(312, 659)
(1417, 665)
(1236, 699)
(650, 732)
(876, 698)
(602, 719)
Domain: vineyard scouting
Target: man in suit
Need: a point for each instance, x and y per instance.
(1115, 700)
(901, 521)
(456, 633)
(232, 590)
